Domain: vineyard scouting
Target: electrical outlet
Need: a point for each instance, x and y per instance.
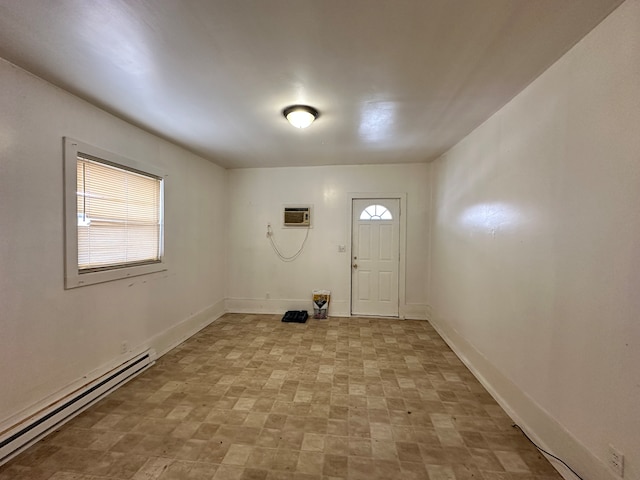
(616, 460)
(124, 347)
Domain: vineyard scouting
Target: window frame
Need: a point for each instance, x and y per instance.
(73, 278)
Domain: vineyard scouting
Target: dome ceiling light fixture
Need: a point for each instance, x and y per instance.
(300, 116)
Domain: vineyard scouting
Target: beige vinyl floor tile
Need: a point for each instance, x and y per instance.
(252, 398)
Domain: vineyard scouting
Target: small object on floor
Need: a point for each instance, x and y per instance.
(321, 303)
(295, 316)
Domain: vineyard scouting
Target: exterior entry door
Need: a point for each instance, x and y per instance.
(375, 256)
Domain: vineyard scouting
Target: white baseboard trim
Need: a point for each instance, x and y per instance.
(415, 311)
(66, 391)
(540, 426)
(273, 306)
(165, 341)
(29, 430)
(160, 343)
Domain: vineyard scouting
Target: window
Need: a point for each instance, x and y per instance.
(113, 216)
(376, 212)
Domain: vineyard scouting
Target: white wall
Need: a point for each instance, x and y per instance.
(536, 250)
(50, 338)
(257, 197)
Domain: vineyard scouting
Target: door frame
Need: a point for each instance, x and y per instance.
(402, 245)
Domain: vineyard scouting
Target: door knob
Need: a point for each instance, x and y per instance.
(355, 265)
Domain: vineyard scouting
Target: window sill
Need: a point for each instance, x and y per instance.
(92, 278)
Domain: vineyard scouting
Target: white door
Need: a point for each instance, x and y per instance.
(375, 256)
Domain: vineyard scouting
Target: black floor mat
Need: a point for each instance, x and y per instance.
(295, 316)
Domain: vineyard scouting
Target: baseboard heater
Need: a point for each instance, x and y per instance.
(19, 437)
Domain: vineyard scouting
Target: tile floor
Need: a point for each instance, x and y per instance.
(252, 398)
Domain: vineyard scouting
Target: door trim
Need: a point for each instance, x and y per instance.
(402, 243)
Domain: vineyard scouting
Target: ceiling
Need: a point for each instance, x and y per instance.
(395, 81)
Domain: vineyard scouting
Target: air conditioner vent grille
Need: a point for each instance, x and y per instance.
(297, 216)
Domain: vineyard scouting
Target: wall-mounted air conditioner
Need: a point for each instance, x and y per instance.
(297, 216)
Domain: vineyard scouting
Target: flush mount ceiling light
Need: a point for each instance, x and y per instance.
(300, 116)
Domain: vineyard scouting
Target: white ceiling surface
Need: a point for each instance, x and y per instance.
(395, 81)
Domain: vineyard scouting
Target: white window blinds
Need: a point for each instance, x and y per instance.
(119, 216)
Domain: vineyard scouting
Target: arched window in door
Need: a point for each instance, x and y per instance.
(376, 212)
